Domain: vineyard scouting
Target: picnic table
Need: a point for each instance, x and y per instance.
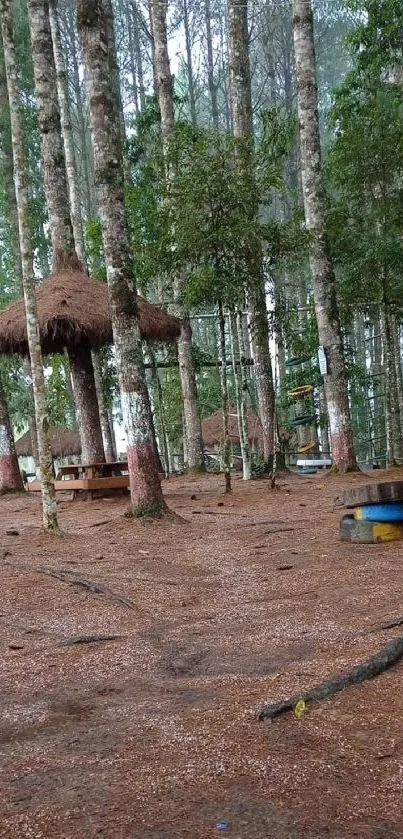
(89, 478)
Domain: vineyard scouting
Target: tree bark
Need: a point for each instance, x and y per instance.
(49, 509)
(10, 475)
(393, 421)
(327, 314)
(134, 32)
(145, 487)
(212, 84)
(224, 401)
(241, 402)
(77, 223)
(194, 443)
(67, 134)
(189, 64)
(57, 196)
(241, 104)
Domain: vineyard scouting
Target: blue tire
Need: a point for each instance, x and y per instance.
(380, 512)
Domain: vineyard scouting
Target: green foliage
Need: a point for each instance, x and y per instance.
(365, 171)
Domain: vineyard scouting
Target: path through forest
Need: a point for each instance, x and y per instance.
(154, 734)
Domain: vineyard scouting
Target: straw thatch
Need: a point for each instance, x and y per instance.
(212, 429)
(74, 310)
(63, 441)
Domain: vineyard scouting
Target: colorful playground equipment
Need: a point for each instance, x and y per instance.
(376, 513)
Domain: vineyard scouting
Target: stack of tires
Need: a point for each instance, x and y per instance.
(376, 513)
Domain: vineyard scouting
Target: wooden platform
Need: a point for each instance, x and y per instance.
(89, 478)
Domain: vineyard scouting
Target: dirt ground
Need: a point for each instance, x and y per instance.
(154, 735)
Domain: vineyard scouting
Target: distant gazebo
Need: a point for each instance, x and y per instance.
(74, 315)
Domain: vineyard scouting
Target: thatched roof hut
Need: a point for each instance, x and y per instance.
(63, 442)
(74, 310)
(212, 429)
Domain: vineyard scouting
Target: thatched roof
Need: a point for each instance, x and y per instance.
(63, 441)
(212, 428)
(74, 309)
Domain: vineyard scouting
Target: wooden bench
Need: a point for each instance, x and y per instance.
(88, 478)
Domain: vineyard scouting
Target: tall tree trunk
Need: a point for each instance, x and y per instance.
(57, 196)
(224, 401)
(398, 361)
(77, 223)
(107, 438)
(10, 475)
(67, 134)
(194, 443)
(145, 487)
(323, 279)
(241, 403)
(189, 64)
(7, 170)
(212, 84)
(393, 421)
(241, 103)
(49, 509)
(134, 33)
(8, 176)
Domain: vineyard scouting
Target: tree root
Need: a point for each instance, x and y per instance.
(89, 585)
(389, 655)
(87, 639)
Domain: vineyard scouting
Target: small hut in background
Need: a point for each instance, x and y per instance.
(212, 432)
(64, 442)
(74, 315)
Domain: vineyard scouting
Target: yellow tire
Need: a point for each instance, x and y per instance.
(303, 390)
(307, 447)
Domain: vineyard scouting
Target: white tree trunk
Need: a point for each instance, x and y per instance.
(49, 508)
(194, 442)
(145, 487)
(241, 105)
(327, 314)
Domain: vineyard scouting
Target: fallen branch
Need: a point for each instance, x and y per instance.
(87, 639)
(391, 624)
(89, 585)
(389, 655)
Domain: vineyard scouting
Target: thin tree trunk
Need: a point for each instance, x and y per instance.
(241, 403)
(145, 486)
(189, 64)
(323, 279)
(241, 103)
(67, 134)
(224, 401)
(8, 176)
(133, 69)
(10, 475)
(393, 422)
(212, 84)
(103, 410)
(134, 32)
(159, 402)
(49, 509)
(57, 196)
(398, 361)
(7, 170)
(194, 443)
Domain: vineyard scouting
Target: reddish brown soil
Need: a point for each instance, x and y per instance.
(155, 735)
